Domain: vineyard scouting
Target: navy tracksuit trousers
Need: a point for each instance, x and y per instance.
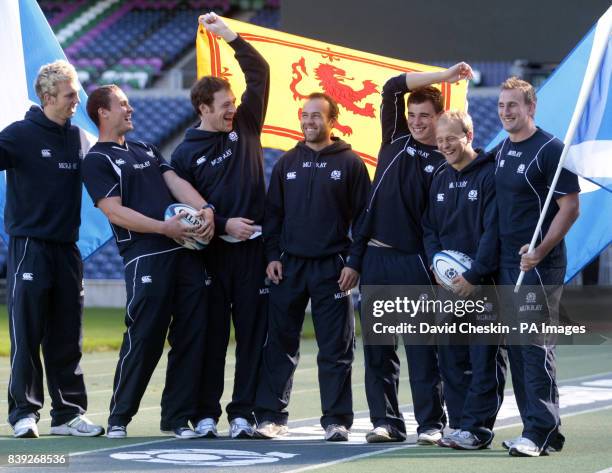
(238, 293)
(45, 308)
(387, 266)
(474, 377)
(334, 324)
(165, 295)
(533, 366)
(473, 373)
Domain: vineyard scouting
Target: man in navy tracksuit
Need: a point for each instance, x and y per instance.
(133, 185)
(222, 158)
(526, 163)
(317, 191)
(392, 247)
(462, 216)
(42, 156)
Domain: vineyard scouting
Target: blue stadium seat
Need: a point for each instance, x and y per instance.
(158, 119)
(104, 263)
(486, 121)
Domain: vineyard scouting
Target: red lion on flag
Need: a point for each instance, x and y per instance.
(331, 80)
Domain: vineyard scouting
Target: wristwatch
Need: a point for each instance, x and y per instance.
(209, 206)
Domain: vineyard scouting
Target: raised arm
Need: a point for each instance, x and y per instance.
(254, 101)
(459, 71)
(393, 109)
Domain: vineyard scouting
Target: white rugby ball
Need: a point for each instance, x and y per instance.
(189, 218)
(449, 264)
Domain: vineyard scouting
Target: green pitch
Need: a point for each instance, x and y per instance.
(102, 329)
(587, 448)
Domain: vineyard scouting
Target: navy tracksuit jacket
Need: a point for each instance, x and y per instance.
(523, 174)
(462, 216)
(313, 199)
(45, 272)
(227, 170)
(393, 216)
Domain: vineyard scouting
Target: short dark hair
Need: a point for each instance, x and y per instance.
(427, 94)
(100, 98)
(334, 111)
(203, 91)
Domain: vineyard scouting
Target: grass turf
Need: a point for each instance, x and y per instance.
(103, 329)
(584, 451)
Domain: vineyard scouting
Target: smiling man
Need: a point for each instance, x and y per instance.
(526, 163)
(223, 160)
(42, 155)
(391, 246)
(317, 192)
(462, 216)
(165, 283)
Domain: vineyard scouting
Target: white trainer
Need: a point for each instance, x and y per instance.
(116, 432)
(429, 437)
(466, 440)
(207, 428)
(336, 433)
(240, 428)
(524, 447)
(80, 426)
(26, 428)
(270, 430)
(381, 435)
(183, 433)
(448, 439)
(507, 444)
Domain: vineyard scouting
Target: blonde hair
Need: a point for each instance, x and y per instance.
(50, 75)
(457, 116)
(514, 83)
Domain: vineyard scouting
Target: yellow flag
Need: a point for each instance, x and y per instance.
(299, 66)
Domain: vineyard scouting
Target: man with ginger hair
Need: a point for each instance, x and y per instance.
(42, 157)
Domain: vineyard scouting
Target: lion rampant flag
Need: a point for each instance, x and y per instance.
(299, 66)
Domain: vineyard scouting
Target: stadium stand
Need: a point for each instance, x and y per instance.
(177, 115)
(59, 13)
(267, 17)
(483, 110)
(104, 263)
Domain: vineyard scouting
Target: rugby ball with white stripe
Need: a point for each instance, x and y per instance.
(449, 264)
(190, 219)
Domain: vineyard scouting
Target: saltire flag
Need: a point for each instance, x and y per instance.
(299, 66)
(27, 43)
(591, 148)
(590, 153)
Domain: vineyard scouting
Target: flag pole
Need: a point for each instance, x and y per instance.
(587, 86)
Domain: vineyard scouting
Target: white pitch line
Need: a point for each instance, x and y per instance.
(321, 465)
(378, 452)
(344, 460)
